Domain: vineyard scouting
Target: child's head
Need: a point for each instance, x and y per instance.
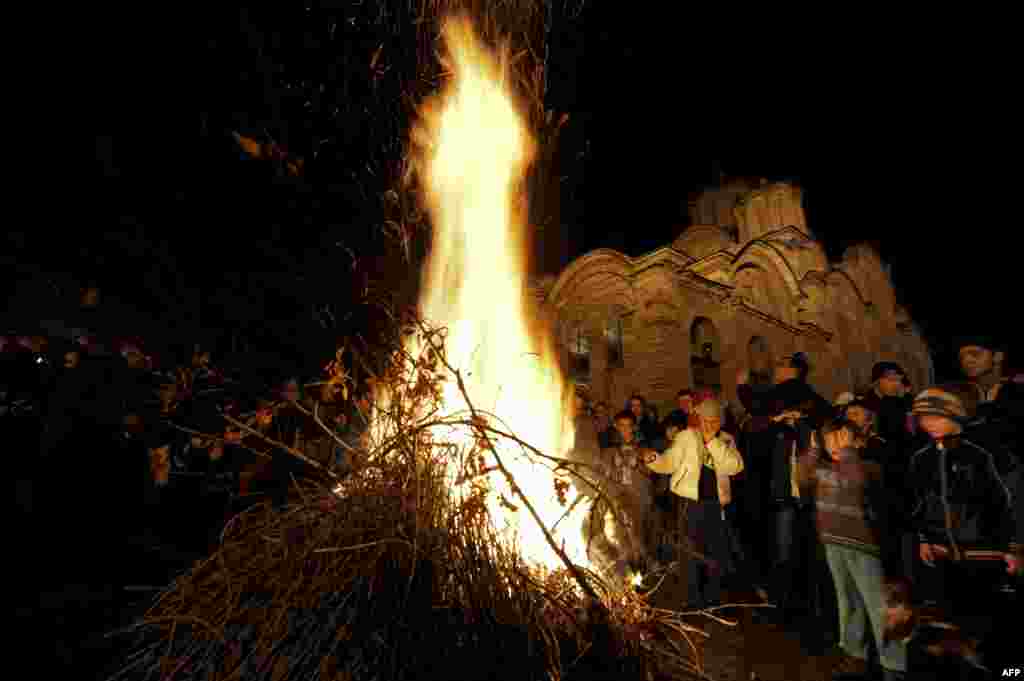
(637, 405)
(860, 414)
(794, 366)
(674, 424)
(943, 411)
(838, 435)
(710, 413)
(625, 423)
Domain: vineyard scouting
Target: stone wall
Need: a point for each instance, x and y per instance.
(776, 286)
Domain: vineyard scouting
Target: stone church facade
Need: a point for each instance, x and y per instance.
(745, 284)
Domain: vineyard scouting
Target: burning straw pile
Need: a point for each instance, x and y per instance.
(455, 548)
(397, 574)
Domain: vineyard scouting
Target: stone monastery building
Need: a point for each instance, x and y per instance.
(745, 284)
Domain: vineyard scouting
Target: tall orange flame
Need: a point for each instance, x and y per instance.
(475, 148)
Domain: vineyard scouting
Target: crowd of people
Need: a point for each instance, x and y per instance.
(122, 445)
(910, 503)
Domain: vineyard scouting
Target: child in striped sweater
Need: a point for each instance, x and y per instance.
(849, 502)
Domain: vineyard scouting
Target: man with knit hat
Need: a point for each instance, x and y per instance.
(962, 487)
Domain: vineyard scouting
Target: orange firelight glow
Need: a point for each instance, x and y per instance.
(475, 148)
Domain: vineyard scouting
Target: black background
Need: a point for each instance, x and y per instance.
(893, 133)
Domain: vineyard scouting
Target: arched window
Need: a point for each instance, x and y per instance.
(760, 361)
(613, 342)
(579, 356)
(704, 354)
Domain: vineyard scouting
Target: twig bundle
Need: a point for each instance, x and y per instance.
(396, 573)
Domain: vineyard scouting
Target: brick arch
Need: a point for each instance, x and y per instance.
(699, 241)
(779, 284)
(873, 277)
(753, 281)
(814, 304)
(769, 258)
(586, 276)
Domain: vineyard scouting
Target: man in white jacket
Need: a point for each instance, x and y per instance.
(696, 459)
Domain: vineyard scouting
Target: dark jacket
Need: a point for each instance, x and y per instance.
(780, 439)
(964, 493)
(648, 427)
(890, 416)
(1004, 416)
(880, 451)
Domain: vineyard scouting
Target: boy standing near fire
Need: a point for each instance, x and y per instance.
(617, 526)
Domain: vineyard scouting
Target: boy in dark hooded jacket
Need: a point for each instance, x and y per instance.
(962, 485)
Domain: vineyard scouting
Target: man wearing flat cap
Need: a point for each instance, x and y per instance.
(888, 401)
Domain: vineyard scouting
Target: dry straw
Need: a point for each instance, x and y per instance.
(388, 574)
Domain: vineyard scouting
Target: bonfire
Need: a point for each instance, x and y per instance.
(456, 547)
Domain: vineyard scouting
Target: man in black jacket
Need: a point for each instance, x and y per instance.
(888, 401)
(783, 419)
(1000, 398)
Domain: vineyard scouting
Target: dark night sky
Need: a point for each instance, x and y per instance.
(874, 136)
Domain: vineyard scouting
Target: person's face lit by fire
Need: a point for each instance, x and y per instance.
(265, 415)
(38, 344)
(891, 384)
(329, 392)
(71, 359)
(784, 371)
(938, 427)
(685, 403)
(710, 426)
(976, 361)
(637, 407)
(291, 391)
(860, 417)
(167, 393)
(160, 464)
(625, 426)
(90, 296)
(671, 432)
(132, 423)
(135, 359)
